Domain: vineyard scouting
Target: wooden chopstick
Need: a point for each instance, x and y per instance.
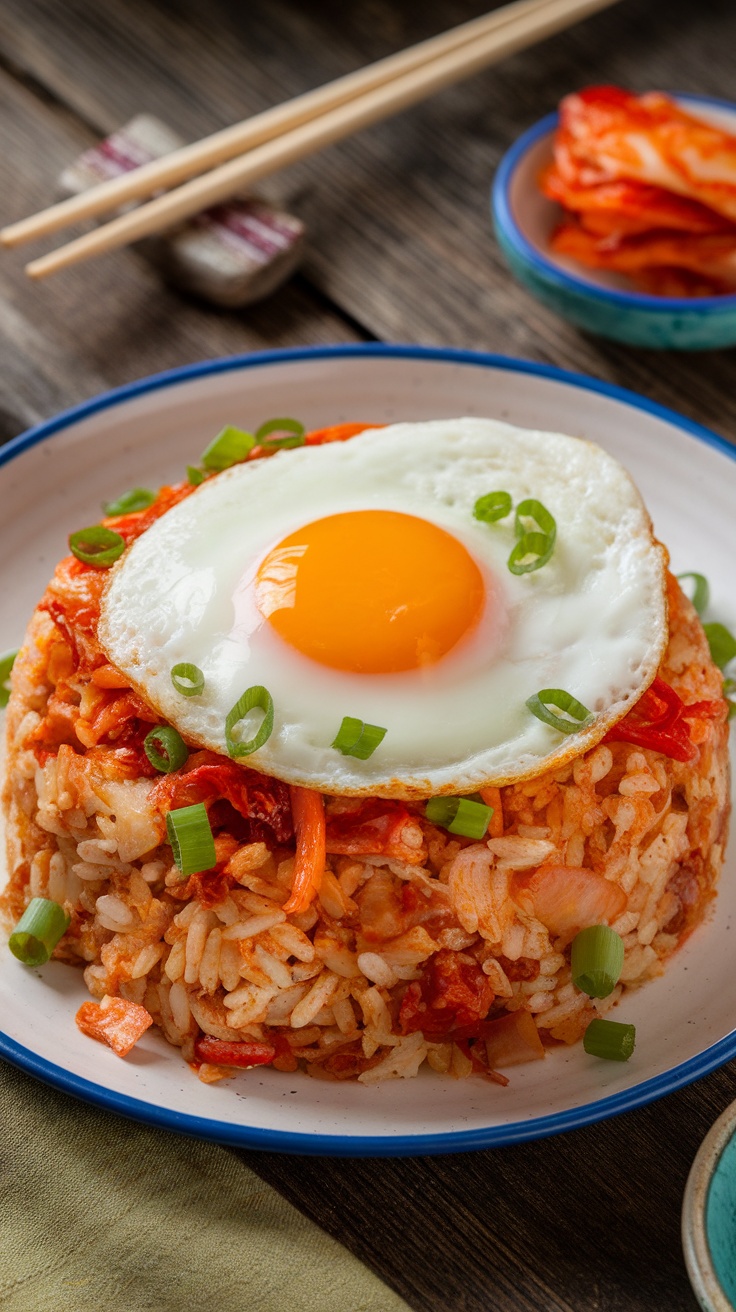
(530, 22)
(219, 147)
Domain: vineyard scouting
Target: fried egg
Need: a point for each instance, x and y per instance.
(352, 579)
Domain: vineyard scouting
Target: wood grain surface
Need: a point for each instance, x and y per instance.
(401, 248)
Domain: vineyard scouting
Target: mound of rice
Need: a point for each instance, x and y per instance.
(418, 948)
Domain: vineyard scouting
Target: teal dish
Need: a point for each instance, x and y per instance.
(594, 300)
(709, 1218)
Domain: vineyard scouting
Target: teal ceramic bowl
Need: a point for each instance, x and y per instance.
(592, 299)
(709, 1217)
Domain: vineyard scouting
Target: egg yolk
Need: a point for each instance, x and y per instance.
(371, 591)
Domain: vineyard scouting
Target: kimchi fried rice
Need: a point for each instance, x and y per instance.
(418, 946)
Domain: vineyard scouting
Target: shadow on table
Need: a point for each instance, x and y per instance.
(584, 1222)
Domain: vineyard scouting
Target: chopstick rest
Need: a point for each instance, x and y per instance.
(232, 254)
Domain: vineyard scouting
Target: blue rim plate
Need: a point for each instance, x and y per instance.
(404, 380)
(700, 322)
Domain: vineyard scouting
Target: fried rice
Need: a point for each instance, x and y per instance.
(419, 946)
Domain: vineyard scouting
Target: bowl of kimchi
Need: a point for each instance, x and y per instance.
(619, 212)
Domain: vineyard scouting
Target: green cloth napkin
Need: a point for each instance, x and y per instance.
(98, 1214)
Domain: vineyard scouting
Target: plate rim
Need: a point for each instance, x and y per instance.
(402, 1145)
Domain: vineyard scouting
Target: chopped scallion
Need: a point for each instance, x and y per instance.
(531, 552)
(290, 426)
(255, 698)
(195, 476)
(7, 661)
(459, 815)
(188, 679)
(139, 498)
(191, 840)
(536, 530)
(597, 960)
(721, 642)
(228, 448)
(96, 545)
(38, 931)
(579, 716)
(493, 506)
(539, 515)
(729, 687)
(701, 590)
(354, 738)
(609, 1039)
(165, 749)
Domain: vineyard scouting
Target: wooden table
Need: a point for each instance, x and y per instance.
(401, 250)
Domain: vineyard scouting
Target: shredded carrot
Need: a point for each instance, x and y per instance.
(308, 811)
(114, 1021)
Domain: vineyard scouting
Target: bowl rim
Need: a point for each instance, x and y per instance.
(401, 1145)
(541, 264)
(695, 1246)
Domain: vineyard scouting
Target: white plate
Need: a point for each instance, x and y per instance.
(54, 479)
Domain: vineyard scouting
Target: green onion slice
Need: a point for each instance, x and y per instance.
(459, 815)
(139, 498)
(609, 1039)
(255, 698)
(531, 552)
(190, 835)
(228, 448)
(701, 590)
(38, 931)
(354, 738)
(96, 546)
(721, 642)
(597, 960)
(187, 679)
(579, 716)
(290, 426)
(729, 687)
(540, 516)
(195, 476)
(165, 749)
(7, 661)
(493, 506)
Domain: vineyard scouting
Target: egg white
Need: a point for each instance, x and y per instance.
(592, 621)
